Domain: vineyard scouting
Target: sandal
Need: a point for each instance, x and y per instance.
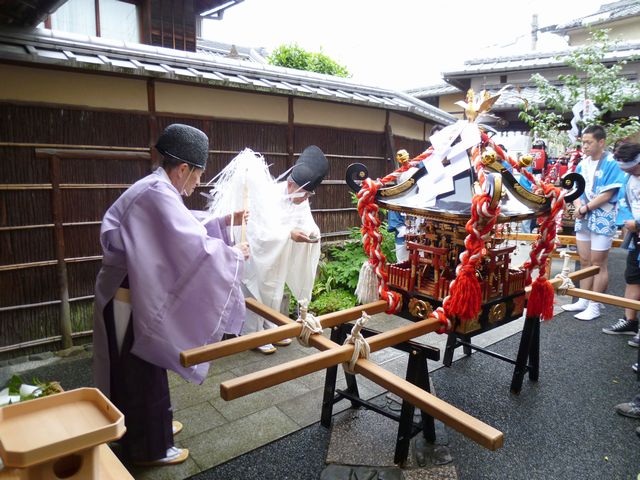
(174, 457)
(176, 426)
(283, 343)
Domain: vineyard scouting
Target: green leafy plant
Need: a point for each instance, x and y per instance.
(594, 79)
(294, 56)
(338, 272)
(43, 388)
(333, 301)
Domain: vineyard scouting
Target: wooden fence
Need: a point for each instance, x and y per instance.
(61, 168)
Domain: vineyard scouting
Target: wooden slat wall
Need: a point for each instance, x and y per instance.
(411, 145)
(29, 294)
(26, 201)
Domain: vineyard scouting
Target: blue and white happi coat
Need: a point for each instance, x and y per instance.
(607, 176)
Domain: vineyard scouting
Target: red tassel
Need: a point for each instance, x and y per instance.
(465, 297)
(540, 301)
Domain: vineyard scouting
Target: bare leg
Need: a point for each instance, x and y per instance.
(632, 292)
(601, 280)
(584, 251)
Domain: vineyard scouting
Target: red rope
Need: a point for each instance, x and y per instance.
(540, 302)
(464, 301)
(372, 240)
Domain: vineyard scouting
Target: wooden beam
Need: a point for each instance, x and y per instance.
(331, 355)
(464, 423)
(58, 237)
(574, 276)
(563, 239)
(91, 153)
(604, 298)
(469, 426)
(288, 329)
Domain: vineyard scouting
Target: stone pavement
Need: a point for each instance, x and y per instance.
(216, 431)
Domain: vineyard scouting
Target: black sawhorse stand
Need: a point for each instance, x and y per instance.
(528, 359)
(417, 374)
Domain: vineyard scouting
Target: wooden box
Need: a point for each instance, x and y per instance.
(58, 436)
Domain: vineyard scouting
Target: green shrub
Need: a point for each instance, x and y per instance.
(294, 56)
(327, 302)
(338, 273)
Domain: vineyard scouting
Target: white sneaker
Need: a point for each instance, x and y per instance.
(174, 456)
(590, 313)
(579, 306)
(266, 349)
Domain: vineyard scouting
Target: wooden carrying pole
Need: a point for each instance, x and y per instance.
(604, 298)
(331, 355)
(562, 239)
(574, 276)
(469, 426)
(288, 329)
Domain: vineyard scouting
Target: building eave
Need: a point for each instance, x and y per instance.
(92, 54)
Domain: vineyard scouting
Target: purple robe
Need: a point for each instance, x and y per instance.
(184, 278)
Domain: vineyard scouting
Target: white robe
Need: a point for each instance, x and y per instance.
(276, 259)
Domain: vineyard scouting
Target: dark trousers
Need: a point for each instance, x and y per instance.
(140, 391)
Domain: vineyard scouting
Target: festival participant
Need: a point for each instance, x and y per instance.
(630, 409)
(396, 221)
(595, 213)
(167, 283)
(289, 251)
(628, 157)
(539, 154)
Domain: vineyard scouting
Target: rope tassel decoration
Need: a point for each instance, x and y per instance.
(372, 244)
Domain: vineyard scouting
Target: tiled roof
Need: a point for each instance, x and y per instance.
(98, 54)
(513, 98)
(219, 49)
(605, 14)
(535, 61)
(433, 90)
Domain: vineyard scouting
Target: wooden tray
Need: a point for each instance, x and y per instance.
(46, 428)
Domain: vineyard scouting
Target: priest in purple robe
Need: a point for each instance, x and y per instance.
(170, 281)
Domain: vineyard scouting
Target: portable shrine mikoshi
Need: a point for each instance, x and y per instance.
(460, 194)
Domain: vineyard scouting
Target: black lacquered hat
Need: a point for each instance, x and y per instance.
(184, 143)
(310, 168)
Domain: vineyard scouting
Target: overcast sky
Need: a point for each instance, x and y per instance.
(397, 44)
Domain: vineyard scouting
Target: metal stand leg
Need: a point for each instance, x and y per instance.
(534, 353)
(418, 374)
(329, 387)
(523, 353)
(452, 338)
(466, 348)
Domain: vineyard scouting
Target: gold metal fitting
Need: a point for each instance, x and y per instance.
(402, 156)
(497, 312)
(525, 160)
(419, 308)
(489, 156)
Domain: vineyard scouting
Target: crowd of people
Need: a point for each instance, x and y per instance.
(610, 203)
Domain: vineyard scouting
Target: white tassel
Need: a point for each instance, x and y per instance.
(368, 283)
